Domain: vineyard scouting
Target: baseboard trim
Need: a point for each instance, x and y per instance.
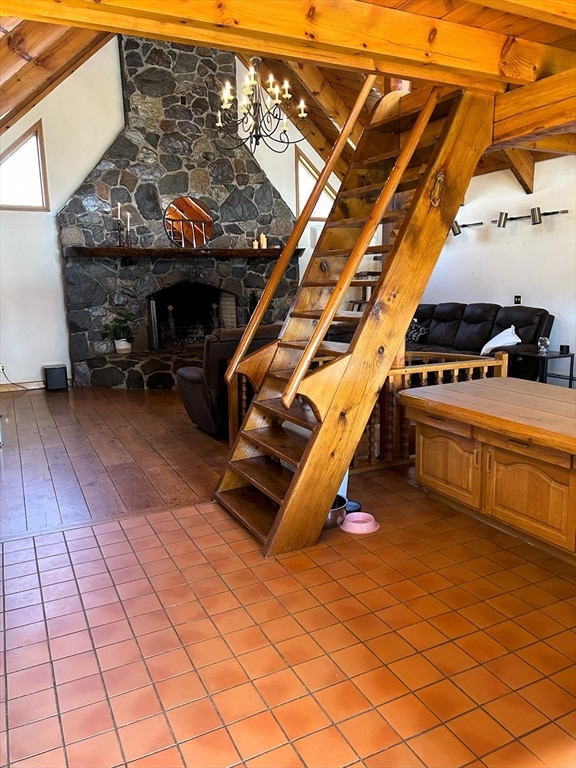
(24, 385)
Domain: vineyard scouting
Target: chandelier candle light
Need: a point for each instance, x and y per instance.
(263, 116)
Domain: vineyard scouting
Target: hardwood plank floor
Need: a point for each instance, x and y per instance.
(85, 455)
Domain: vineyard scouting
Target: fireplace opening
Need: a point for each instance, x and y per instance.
(183, 314)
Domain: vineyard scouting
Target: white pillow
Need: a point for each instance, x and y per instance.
(505, 338)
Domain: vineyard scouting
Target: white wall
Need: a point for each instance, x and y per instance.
(80, 118)
(538, 262)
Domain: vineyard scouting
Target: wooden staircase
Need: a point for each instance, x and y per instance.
(314, 396)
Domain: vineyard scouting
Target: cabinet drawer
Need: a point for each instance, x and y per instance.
(525, 448)
(439, 422)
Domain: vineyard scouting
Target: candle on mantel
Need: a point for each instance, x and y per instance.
(118, 213)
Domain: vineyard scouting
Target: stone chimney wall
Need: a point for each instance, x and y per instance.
(168, 149)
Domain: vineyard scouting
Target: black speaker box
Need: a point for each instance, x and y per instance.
(55, 377)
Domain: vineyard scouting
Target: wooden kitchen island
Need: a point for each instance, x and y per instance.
(503, 447)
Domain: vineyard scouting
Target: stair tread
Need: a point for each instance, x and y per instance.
(410, 105)
(280, 442)
(269, 476)
(367, 189)
(359, 221)
(369, 160)
(252, 508)
(299, 413)
(329, 348)
(361, 282)
(364, 283)
(283, 374)
(382, 248)
(356, 221)
(344, 315)
(384, 161)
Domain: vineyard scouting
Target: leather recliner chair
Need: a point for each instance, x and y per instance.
(203, 389)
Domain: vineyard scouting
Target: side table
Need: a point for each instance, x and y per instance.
(551, 354)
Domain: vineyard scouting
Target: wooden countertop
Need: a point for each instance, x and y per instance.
(540, 413)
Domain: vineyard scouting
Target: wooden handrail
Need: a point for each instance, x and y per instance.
(450, 361)
(292, 243)
(359, 249)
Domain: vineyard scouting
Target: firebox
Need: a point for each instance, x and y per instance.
(182, 315)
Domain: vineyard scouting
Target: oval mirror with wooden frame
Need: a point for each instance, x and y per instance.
(188, 222)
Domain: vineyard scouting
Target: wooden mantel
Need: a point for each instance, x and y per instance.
(119, 252)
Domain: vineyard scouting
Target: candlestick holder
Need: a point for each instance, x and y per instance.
(120, 231)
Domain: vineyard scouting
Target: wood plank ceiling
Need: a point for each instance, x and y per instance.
(522, 51)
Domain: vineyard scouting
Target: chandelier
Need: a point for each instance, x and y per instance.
(261, 114)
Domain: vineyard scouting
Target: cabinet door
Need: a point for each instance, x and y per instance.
(536, 496)
(448, 463)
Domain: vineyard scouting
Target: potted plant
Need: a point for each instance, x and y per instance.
(119, 329)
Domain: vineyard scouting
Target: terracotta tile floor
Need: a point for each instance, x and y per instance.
(166, 640)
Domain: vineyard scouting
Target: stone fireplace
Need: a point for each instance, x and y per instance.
(167, 149)
(101, 282)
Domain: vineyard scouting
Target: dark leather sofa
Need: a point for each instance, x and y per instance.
(203, 389)
(466, 328)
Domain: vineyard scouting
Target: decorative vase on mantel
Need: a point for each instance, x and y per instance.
(122, 346)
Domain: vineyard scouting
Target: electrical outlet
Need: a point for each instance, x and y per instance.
(517, 299)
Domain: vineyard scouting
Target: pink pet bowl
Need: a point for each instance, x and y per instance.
(359, 522)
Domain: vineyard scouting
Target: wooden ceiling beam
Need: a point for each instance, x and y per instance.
(562, 144)
(40, 76)
(561, 13)
(380, 40)
(521, 163)
(26, 42)
(543, 108)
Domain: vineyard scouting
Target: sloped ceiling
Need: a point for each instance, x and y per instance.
(522, 51)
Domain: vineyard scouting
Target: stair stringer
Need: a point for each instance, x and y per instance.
(467, 133)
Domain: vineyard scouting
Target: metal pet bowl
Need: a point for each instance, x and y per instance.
(337, 512)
